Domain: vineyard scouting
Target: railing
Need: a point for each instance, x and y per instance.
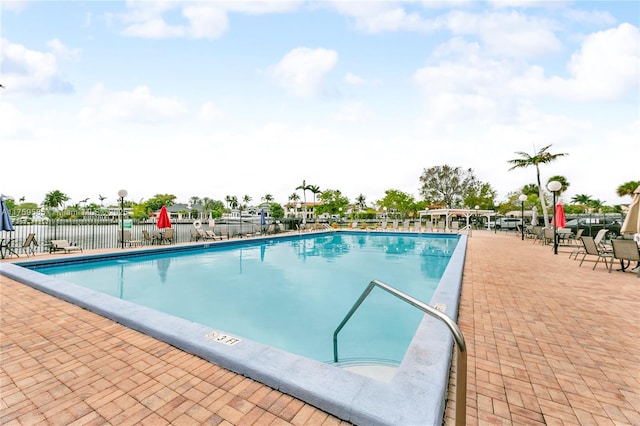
(104, 233)
(461, 359)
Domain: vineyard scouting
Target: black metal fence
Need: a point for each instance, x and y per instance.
(90, 233)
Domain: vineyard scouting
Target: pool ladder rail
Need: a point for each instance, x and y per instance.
(461, 357)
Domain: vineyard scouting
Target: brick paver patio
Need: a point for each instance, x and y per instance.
(548, 343)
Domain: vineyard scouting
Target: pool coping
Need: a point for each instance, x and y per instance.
(415, 395)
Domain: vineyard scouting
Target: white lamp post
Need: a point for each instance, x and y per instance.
(554, 186)
(122, 193)
(522, 199)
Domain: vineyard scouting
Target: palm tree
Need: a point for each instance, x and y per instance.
(55, 199)
(268, 198)
(564, 183)
(315, 190)
(294, 197)
(101, 198)
(361, 202)
(246, 200)
(627, 188)
(530, 188)
(582, 199)
(227, 199)
(540, 157)
(304, 187)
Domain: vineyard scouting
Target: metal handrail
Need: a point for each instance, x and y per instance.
(461, 359)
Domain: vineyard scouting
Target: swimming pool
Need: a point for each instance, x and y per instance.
(414, 395)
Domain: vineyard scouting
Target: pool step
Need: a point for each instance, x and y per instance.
(383, 372)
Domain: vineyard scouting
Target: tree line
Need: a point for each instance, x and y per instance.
(442, 186)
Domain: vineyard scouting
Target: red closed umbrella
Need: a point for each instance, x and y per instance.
(559, 220)
(163, 219)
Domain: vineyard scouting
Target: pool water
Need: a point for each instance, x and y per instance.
(289, 293)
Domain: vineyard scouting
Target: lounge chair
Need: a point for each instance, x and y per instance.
(405, 225)
(63, 245)
(417, 226)
(354, 224)
(383, 225)
(592, 249)
(195, 234)
(428, 227)
(625, 250)
(28, 247)
(441, 226)
(213, 236)
(394, 225)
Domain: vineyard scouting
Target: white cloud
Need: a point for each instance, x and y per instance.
(376, 17)
(606, 67)
(138, 106)
(302, 70)
(62, 51)
(203, 19)
(153, 28)
(353, 79)
(353, 112)
(31, 71)
(206, 21)
(511, 34)
(210, 112)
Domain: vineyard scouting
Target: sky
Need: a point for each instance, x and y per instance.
(213, 98)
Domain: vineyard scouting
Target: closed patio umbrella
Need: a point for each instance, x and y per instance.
(631, 224)
(534, 216)
(163, 219)
(559, 220)
(5, 220)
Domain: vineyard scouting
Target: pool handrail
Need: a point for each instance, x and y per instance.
(461, 358)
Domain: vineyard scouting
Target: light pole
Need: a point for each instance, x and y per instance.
(554, 186)
(475, 217)
(122, 193)
(298, 205)
(522, 199)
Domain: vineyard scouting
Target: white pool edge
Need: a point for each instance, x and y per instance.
(415, 396)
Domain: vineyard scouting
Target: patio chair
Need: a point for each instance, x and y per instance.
(592, 249)
(63, 245)
(625, 250)
(167, 236)
(125, 236)
(29, 245)
(454, 226)
(148, 239)
(417, 226)
(405, 225)
(383, 225)
(428, 227)
(441, 226)
(354, 224)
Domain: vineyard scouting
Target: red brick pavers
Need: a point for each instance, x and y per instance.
(63, 365)
(548, 342)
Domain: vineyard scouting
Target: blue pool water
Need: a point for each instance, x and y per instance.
(289, 293)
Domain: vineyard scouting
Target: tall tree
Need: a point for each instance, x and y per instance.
(55, 199)
(447, 185)
(627, 188)
(530, 188)
(399, 201)
(304, 187)
(582, 199)
(268, 198)
(294, 197)
(540, 157)
(564, 183)
(361, 202)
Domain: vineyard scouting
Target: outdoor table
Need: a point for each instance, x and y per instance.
(6, 248)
